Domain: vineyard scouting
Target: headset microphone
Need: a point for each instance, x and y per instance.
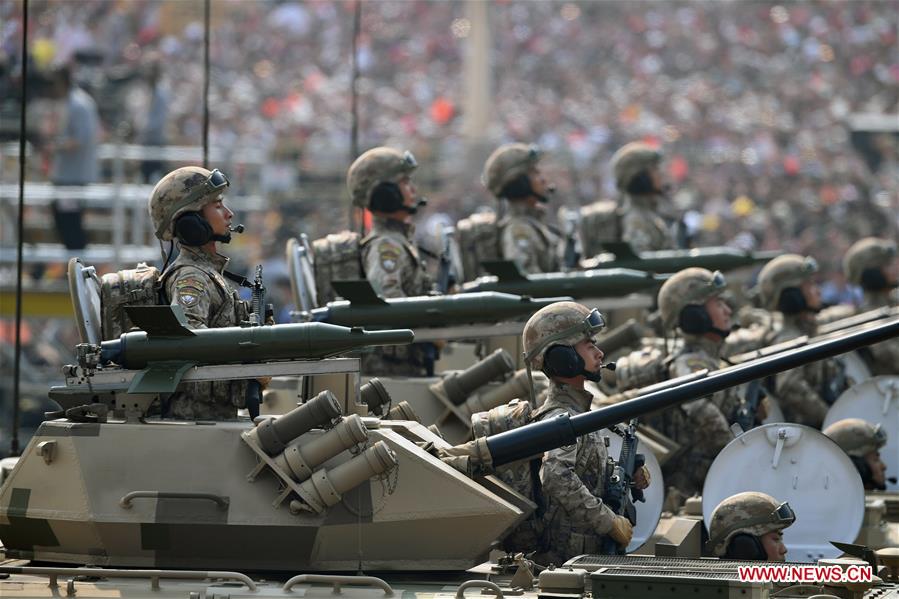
(237, 229)
(610, 366)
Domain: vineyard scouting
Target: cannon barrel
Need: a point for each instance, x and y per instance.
(562, 430)
(245, 344)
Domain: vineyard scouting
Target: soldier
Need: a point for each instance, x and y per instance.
(380, 180)
(513, 172)
(638, 176)
(559, 340)
(873, 264)
(862, 441)
(691, 302)
(749, 526)
(187, 205)
(787, 285)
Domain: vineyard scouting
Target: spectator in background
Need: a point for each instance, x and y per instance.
(74, 151)
(153, 131)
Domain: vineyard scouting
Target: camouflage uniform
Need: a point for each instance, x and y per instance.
(700, 427)
(873, 253)
(195, 282)
(390, 259)
(528, 241)
(573, 481)
(799, 391)
(750, 513)
(641, 224)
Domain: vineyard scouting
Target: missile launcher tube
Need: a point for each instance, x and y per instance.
(402, 411)
(328, 486)
(611, 282)
(562, 430)
(274, 434)
(375, 396)
(515, 387)
(457, 386)
(225, 345)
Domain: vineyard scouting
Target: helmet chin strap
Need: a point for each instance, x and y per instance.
(723, 333)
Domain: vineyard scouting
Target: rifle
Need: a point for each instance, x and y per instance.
(257, 319)
(445, 279)
(746, 412)
(620, 492)
(571, 257)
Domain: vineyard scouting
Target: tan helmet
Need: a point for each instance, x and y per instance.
(689, 287)
(751, 513)
(870, 252)
(857, 437)
(378, 165)
(507, 163)
(186, 189)
(561, 323)
(789, 270)
(631, 159)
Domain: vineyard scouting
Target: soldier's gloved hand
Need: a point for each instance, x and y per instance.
(622, 531)
(263, 382)
(762, 411)
(642, 478)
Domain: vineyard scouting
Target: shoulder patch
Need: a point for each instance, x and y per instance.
(187, 297)
(389, 256)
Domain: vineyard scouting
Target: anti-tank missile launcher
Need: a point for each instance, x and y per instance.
(621, 255)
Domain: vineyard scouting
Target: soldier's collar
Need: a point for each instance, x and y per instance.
(701, 342)
(389, 224)
(218, 261)
(521, 208)
(558, 391)
(649, 201)
(806, 326)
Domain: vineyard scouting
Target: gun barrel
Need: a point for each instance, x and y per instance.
(435, 311)
(246, 344)
(563, 430)
(611, 282)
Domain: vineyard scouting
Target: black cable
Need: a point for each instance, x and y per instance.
(17, 366)
(206, 15)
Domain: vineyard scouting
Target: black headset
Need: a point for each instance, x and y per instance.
(564, 361)
(386, 197)
(518, 188)
(792, 301)
(864, 470)
(193, 230)
(695, 320)
(745, 546)
(641, 184)
(873, 279)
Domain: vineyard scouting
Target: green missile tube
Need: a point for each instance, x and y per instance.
(433, 311)
(228, 345)
(613, 282)
(670, 261)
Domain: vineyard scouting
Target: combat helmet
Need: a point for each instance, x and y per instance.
(689, 287)
(631, 159)
(561, 323)
(784, 272)
(507, 163)
(856, 437)
(186, 189)
(378, 165)
(865, 254)
(749, 513)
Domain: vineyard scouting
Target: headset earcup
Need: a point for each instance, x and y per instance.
(695, 320)
(864, 470)
(745, 547)
(192, 229)
(872, 279)
(563, 361)
(642, 184)
(792, 301)
(386, 197)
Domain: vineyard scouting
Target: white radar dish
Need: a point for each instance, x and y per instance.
(649, 511)
(84, 290)
(876, 401)
(802, 466)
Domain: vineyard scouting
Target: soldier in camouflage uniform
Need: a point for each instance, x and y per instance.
(513, 172)
(749, 526)
(862, 442)
(187, 205)
(380, 180)
(787, 285)
(559, 340)
(638, 176)
(691, 302)
(873, 264)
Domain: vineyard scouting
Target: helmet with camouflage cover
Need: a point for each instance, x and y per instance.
(870, 252)
(507, 163)
(631, 159)
(561, 323)
(689, 287)
(789, 270)
(186, 189)
(378, 165)
(750, 513)
(856, 437)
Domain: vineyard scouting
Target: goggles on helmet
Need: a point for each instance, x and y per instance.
(713, 286)
(534, 152)
(592, 324)
(880, 435)
(783, 516)
(409, 159)
(214, 183)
